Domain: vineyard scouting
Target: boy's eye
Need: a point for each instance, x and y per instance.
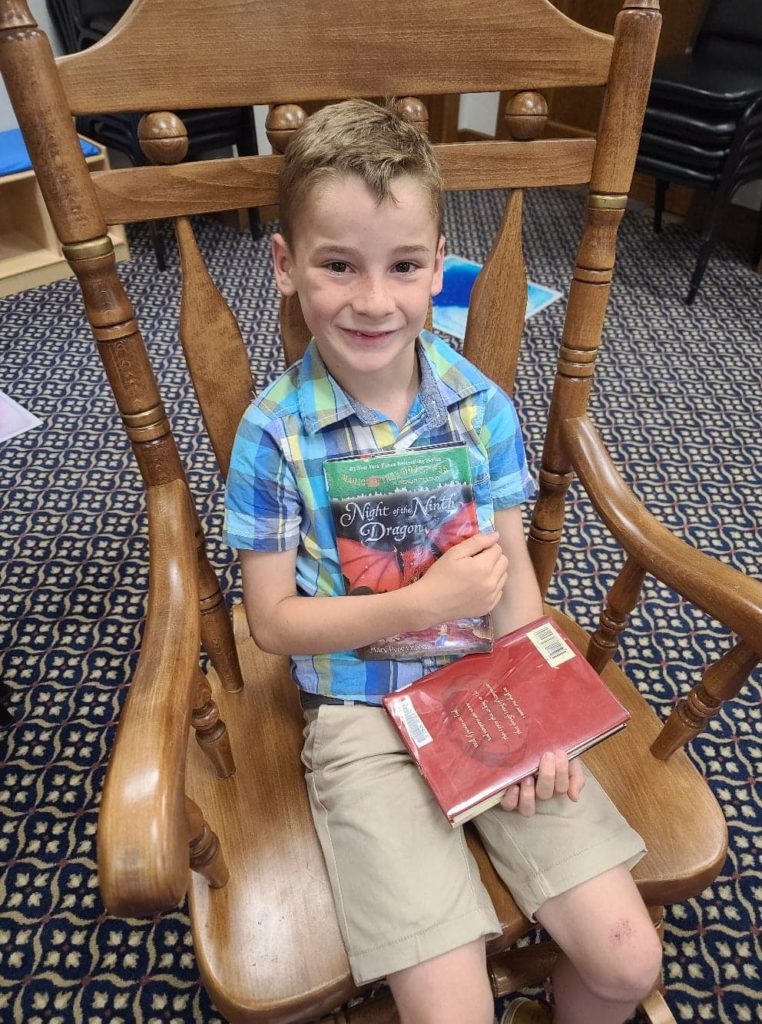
(405, 267)
(338, 267)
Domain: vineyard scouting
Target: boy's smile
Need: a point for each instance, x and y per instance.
(365, 272)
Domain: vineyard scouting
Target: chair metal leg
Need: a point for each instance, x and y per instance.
(661, 191)
(158, 244)
(698, 271)
(708, 238)
(756, 255)
(6, 718)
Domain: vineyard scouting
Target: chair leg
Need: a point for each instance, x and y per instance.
(708, 239)
(6, 718)
(656, 1010)
(661, 192)
(756, 255)
(698, 270)
(158, 245)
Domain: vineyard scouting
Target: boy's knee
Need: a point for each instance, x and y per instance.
(629, 966)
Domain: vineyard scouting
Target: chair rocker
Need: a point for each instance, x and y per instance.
(225, 820)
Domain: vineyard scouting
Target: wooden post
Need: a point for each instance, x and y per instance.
(635, 38)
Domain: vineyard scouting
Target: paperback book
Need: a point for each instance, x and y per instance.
(478, 725)
(395, 513)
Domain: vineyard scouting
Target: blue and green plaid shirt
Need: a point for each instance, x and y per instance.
(277, 498)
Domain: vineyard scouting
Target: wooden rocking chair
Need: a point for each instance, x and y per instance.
(263, 921)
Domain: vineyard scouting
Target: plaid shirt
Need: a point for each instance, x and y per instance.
(277, 498)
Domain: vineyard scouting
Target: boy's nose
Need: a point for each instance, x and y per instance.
(373, 298)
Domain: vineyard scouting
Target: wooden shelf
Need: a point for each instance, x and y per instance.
(30, 253)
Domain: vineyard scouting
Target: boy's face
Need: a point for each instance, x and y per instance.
(364, 273)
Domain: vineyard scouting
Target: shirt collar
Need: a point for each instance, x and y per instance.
(446, 379)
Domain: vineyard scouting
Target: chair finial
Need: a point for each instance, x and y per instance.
(282, 124)
(525, 115)
(163, 137)
(414, 111)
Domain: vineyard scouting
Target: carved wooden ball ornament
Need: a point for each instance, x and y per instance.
(414, 111)
(283, 122)
(163, 137)
(525, 115)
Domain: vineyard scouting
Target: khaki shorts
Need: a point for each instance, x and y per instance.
(405, 885)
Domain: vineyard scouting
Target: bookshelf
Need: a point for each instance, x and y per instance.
(30, 253)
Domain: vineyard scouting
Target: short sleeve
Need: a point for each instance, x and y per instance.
(263, 507)
(510, 480)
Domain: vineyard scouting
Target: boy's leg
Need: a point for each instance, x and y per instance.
(567, 866)
(449, 989)
(611, 951)
(410, 902)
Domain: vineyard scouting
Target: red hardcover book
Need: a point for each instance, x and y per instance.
(479, 724)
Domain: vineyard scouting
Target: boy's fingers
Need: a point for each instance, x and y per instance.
(473, 545)
(510, 798)
(545, 785)
(576, 779)
(526, 805)
(562, 772)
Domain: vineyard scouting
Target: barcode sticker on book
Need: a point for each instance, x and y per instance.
(417, 731)
(550, 644)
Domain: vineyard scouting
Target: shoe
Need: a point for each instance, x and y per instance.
(527, 1011)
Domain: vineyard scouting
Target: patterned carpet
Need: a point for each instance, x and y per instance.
(678, 400)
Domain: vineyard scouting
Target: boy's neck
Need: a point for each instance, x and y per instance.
(393, 397)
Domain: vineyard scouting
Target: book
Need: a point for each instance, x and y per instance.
(478, 725)
(395, 513)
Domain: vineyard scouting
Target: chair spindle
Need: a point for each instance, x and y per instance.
(636, 33)
(211, 732)
(522, 968)
(210, 338)
(722, 681)
(620, 602)
(204, 846)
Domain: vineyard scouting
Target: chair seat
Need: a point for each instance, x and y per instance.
(705, 83)
(253, 957)
(691, 125)
(682, 154)
(666, 171)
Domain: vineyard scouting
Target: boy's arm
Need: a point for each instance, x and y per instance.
(521, 603)
(467, 580)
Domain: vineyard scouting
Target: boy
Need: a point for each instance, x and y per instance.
(361, 245)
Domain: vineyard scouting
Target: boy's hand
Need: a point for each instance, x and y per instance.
(556, 775)
(466, 581)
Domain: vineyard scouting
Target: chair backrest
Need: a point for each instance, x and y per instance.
(731, 32)
(275, 53)
(224, 53)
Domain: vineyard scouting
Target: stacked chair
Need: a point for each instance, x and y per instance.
(82, 23)
(225, 821)
(703, 122)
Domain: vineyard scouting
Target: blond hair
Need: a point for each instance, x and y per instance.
(359, 138)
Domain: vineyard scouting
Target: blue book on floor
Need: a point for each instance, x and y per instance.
(451, 305)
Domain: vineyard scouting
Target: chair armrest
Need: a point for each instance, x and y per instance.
(725, 593)
(142, 835)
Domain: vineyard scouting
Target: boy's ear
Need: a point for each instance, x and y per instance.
(437, 282)
(283, 265)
